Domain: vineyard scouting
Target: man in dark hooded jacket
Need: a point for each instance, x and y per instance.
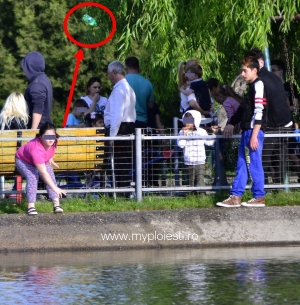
(39, 92)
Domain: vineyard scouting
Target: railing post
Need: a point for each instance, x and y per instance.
(138, 164)
(112, 163)
(19, 181)
(217, 164)
(176, 159)
(2, 180)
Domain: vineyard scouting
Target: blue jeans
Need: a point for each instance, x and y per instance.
(249, 164)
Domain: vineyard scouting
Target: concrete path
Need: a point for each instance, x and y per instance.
(195, 228)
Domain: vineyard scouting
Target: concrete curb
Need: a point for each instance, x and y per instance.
(194, 228)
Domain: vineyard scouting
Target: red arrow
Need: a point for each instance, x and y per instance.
(80, 56)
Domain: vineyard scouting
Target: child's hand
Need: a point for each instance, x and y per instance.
(182, 89)
(52, 163)
(215, 129)
(186, 129)
(96, 98)
(81, 125)
(186, 92)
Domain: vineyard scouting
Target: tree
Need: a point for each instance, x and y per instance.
(215, 32)
(161, 33)
(36, 25)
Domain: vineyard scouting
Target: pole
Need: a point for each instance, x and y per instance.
(267, 59)
(138, 162)
(2, 188)
(176, 159)
(112, 163)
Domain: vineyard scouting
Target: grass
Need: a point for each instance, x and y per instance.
(150, 202)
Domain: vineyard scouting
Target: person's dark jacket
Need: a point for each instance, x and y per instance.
(249, 107)
(278, 112)
(39, 93)
(202, 94)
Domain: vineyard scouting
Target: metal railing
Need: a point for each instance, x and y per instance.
(156, 166)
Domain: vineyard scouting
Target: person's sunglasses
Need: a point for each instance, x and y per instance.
(188, 120)
(49, 137)
(189, 74)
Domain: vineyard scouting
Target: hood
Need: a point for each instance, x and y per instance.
(33, 65)
(197, 117)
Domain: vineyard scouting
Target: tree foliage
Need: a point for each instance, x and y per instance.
(161, 33)
(217, 33)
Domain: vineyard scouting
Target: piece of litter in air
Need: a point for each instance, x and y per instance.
(90, 20)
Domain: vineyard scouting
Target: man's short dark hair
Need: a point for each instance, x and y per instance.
(251, 62)
(279, 63)
(255, 52)
(132, 63)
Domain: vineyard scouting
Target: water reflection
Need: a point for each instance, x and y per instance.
(203, 276)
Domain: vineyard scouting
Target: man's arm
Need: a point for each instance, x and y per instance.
(38, 95)
(193, 103)
(116, 111)
(150, 104)
(259, 105)
(254, 140)
(150, 99)
(158, 123)
(36, 118)
(234, 120)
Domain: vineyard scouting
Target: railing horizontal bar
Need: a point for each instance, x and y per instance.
(157, 189)
(158, 137)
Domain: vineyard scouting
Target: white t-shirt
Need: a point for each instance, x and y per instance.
(100, 106)
(185, 100)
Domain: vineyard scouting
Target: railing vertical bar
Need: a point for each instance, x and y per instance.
(138, 162)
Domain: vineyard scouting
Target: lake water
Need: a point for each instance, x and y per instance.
(188, 276)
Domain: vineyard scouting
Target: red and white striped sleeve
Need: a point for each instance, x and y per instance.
(260, 103)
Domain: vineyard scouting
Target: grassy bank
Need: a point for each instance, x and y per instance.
(150, 202)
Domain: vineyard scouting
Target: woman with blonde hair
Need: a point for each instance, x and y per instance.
(182, 68)
(14, 114)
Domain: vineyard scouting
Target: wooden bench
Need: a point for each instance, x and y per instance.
(71, 154)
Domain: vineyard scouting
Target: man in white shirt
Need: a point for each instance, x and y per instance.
(120, 116)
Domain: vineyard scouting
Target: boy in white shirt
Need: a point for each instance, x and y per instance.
(193, 149)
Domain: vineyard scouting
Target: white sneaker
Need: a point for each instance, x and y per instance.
(58, 209)
(32, 211)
